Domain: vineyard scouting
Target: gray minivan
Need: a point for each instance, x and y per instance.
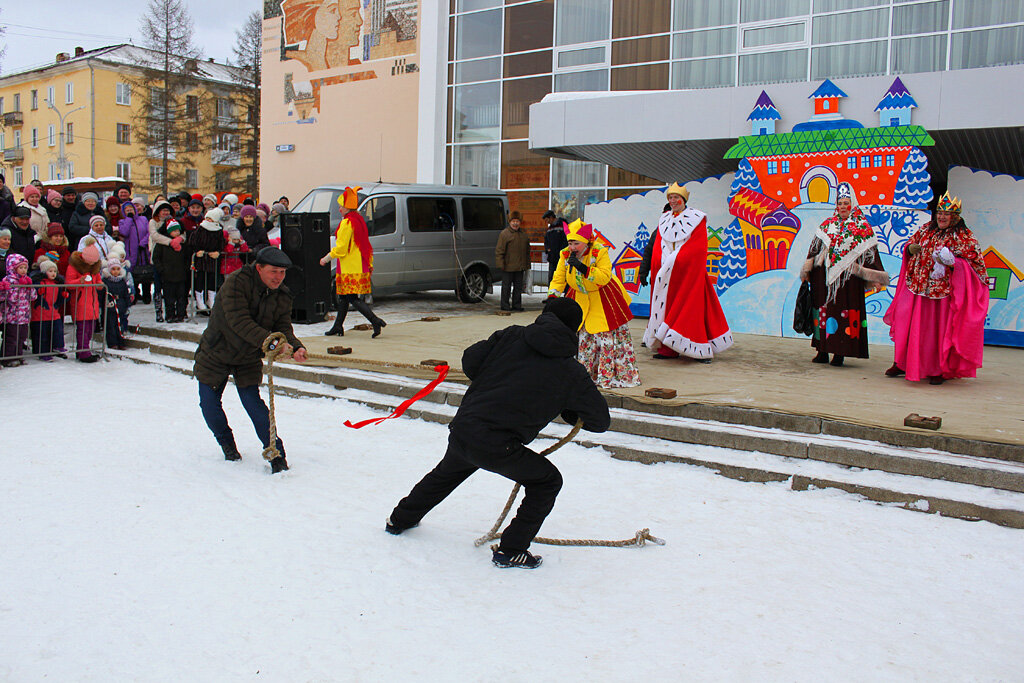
(424, 236)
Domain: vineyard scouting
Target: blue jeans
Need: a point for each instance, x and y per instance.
(217, 421)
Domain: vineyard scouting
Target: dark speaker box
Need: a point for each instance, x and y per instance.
(305, 238)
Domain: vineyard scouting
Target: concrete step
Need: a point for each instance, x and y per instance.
(952, 484)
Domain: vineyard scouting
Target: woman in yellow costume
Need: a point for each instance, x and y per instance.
(355, 264)
(584, 272)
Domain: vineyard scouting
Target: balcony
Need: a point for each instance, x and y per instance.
(14, 155)
(14, 118)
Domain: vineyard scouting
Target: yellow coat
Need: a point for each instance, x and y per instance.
(350, 277)
(605, 302)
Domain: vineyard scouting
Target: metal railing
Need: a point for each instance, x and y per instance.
(21, 339)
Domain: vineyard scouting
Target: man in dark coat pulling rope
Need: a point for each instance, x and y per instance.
(252, 303)
(521, 379)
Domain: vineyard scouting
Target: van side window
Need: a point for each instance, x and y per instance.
(379, 214)
(483, 213)
(431, 214)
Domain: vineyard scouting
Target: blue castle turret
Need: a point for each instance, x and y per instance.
(894, 109)
(763, 117)
(826, 110)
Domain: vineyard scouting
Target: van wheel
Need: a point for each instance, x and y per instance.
(473, 286)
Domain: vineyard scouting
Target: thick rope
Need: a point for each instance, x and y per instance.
(640, 539)
(272, 347)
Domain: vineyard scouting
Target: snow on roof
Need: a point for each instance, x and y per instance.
(134, 55)
(896, 97)
(827, 89)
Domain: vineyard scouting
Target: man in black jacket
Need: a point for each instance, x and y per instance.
(522, 378)
(554, 240)
(253, 302)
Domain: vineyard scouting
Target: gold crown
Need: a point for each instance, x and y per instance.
(678, 189)
(949, 203)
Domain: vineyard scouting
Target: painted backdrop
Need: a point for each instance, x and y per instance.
(761, 219)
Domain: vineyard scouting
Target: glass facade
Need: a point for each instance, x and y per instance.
(505, 55)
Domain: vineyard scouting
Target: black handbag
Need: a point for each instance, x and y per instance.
(143, 273)
(803, 312)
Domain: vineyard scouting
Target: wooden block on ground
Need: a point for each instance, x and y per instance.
(431, 362)
(339, 350)
(922, 422)
(660, 392)
(503, 312)
(362, 327)
(430, 319)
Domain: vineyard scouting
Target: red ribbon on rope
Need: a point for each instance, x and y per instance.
(442, 372)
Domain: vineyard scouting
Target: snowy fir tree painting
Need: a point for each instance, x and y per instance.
(913, 189)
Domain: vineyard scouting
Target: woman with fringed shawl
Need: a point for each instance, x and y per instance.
(841, 264)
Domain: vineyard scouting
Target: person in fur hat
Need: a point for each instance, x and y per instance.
(84, 304)
(161, 214)
(55, 242)
(39, 218)
(209, 202)
(235, 252)
(172, 266)
(207, 244)
(46, 327)
(16, 297)
(119, 299)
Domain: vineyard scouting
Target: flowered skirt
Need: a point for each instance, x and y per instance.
(609, 357)
(352, 283)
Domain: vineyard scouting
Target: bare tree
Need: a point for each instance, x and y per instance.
(167, 123)
(248, 54)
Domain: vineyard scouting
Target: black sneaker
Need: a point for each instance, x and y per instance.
(394, 529)
(278, 464)
(521, 558)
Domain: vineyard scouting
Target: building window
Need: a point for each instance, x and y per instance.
(1, 106)
(222, 181)
(878, 160)
(69, 136)
(35, 137)
(865, 162)
(3, 146)
(35, 172)
(71, 169)
(156, 175)
(785, 166)
(191, 141)
(51, 135)
(582, 21)
(123, 94)
(851, 162)
(124, 170)
(17, 101)
(890, 159)
(192, 178)
(34, 99)
(51, 95)
(17, 139)
(19, 176)
(192, 107)
(224, 110)
(53, 172)
(69, 92)
(824, 105)
(773, 167)
(124, 134)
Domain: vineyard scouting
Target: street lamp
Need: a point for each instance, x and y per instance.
(62, 160)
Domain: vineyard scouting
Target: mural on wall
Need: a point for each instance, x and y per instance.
(785, 186)
(332, 42)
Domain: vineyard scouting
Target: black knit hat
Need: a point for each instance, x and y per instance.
(566, 310)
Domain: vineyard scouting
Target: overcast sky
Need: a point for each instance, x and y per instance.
(36, 32)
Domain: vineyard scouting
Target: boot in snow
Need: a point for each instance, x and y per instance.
(278, 464)
(211, 296)
(158, 304)
(230, 450)
(200, 303)
(338, 326)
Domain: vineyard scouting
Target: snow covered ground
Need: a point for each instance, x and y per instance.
(132, 551)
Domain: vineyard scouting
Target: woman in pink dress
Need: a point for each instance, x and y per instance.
(937, 316)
